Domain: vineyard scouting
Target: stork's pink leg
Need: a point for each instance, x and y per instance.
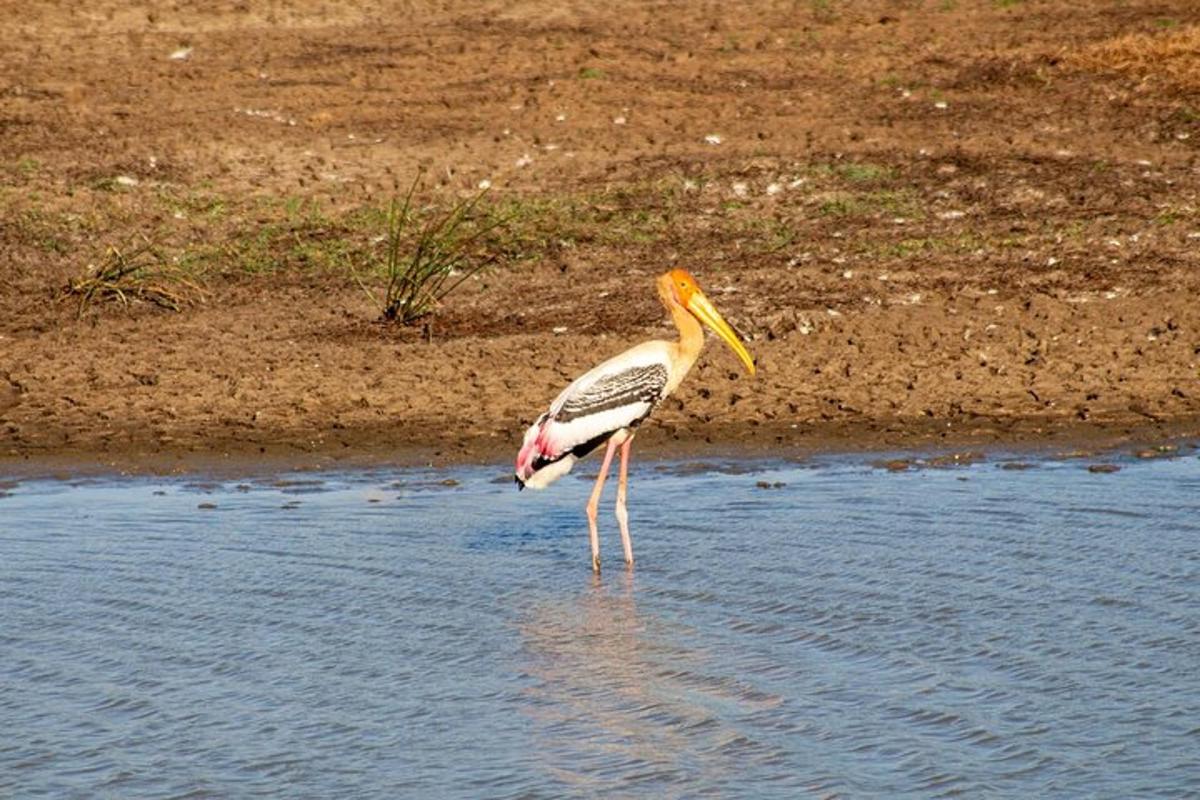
(622, 514)
(594, 503)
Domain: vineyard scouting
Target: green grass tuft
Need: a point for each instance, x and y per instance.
(446, 250)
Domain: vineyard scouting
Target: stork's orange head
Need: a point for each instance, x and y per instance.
(683, 285)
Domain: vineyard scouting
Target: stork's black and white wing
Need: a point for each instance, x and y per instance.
(615, 395)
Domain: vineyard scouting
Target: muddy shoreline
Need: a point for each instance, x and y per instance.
(947, 443)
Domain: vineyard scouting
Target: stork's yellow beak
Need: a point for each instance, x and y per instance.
(699, 305)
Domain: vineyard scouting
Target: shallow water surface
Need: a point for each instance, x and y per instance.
(811, 630)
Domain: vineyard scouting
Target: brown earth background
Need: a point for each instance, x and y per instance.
(936, 222)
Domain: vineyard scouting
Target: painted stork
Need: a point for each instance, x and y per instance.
(607, 403)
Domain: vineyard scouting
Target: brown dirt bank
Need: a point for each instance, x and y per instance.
(307, 386)
(957, 224)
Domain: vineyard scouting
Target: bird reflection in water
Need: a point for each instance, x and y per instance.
(618, 699)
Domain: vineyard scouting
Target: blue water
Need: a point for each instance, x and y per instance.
(850, 632)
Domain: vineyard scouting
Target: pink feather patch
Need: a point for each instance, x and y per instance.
(538, 445)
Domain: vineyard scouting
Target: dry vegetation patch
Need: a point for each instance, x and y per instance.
(1169, 58)
(137, 274)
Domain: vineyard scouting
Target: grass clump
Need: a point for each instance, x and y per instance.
(124, 276)
(897, 202)
(823, 11)
(865, 173)
(446, 250)
(1173, 214)
(28, 167)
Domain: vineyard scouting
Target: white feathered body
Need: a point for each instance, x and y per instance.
(608, 400)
